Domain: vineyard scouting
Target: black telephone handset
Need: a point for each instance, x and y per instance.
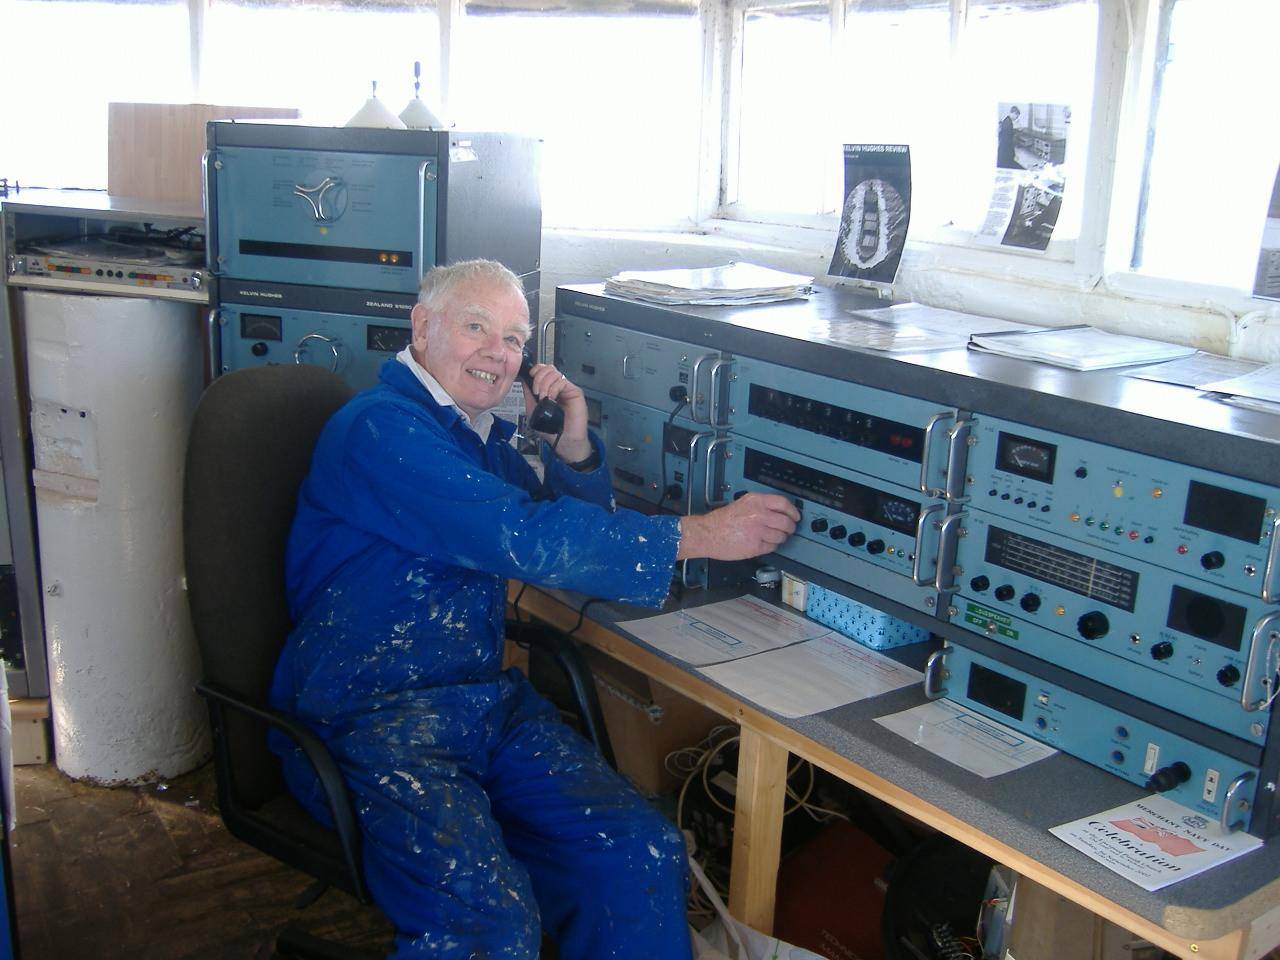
(547, 416)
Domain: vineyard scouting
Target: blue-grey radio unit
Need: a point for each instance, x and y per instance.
(653, 457)
(349, 332)
(1163, 636)
(1198, 522)
(1219, 780)
(361, 211)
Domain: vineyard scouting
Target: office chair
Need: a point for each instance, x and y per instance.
(250, 448)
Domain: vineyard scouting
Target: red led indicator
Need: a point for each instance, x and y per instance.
(1182, 548)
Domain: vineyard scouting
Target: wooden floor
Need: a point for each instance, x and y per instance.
(151, 873)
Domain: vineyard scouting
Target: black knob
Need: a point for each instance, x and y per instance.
(259, 349)
(1162, 650)
(979, 584)
(1093, 625)
(838, 532)
(1166, 778)
(1005, 592)
(818, 525)
(1228, 676)
(674, 492)
(1081, 472)
(678, 394)
(1030, 602)
(1213, 560)
(875, 546)
(857, 538)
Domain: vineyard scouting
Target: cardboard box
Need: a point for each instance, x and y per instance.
(30, 732)
(1043, 925)
(154, 149)
(646, 720)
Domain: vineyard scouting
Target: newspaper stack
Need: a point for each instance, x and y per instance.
(729, 284)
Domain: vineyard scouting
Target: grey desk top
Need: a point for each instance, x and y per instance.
(1015, 809)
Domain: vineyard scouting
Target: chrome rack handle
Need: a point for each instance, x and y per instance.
(943, 533)
(1273, 551)
(1271, 682)
(925, 514)
(957, 441)
(693, 458)
(210, 254)
(419, 242)
(708, 497)
(693, 390)
(331, 341)
(934, 670)
(542, 338)
(1229, 801)
(713, 412)
(213, 343)
(929, 427)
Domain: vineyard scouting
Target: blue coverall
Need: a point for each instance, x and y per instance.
(484, 817)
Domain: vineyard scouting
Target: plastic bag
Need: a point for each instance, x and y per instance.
(728, 939)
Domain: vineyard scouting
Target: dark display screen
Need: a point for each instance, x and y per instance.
(1076, 572)
(829, 420)
(1207, 618)
(1028, 458)
(1232, 514)
(386, 339)
(995, 690)
(677, 440)
(260, 326)
(857, 500)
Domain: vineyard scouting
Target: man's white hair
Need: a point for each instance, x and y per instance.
(440, 282)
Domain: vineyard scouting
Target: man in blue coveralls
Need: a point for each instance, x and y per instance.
(485, 819)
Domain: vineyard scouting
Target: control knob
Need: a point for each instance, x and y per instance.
(259, 349)
(1093, 625)
(818, 525)
(838, 532)
(1229, 675)
(1005, 592)
(875, 546)
(1162, 650)
(979, 584)
(1030, 602)
(1212, 560)
(1166, 778)
(857, 538)
(673, 492)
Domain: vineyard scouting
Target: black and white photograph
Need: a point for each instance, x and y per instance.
(876, 212)
(1034, 215)
(1031, 136)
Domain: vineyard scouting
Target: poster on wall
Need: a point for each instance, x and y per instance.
(1026, 198)
(876, 212)
(1266, 282)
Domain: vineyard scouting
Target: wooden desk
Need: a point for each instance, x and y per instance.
(1232, 913)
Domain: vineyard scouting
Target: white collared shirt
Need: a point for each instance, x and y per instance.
(481, 425)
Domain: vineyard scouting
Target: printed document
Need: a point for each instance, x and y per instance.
(967, 739)
(723, 631)
(1154, 842)
(819, 674)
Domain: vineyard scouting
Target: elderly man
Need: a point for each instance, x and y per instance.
(485, 819)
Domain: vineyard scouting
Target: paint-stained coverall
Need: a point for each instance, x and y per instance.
(483, 816)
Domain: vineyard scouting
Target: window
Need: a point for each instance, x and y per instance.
(1216, 142)
(904, 72)
(614, 93)
(63, 62)
(320, 57)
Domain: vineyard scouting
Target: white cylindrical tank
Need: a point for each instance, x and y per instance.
(114, 383)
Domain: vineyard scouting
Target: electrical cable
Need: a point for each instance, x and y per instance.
(662, 498)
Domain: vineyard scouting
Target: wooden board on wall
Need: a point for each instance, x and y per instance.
(154, 149)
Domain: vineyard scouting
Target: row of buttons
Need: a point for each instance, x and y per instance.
(1031, 504)
(855, 539)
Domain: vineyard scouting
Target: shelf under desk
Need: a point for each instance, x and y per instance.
(1232, 911)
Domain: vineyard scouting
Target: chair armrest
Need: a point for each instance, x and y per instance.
(317, 753)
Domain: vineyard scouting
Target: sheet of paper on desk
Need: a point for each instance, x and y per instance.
(1154, 842)
(967, 739)
(723, 631)
(819, 674)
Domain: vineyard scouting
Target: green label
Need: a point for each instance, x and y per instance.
(983, 618)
